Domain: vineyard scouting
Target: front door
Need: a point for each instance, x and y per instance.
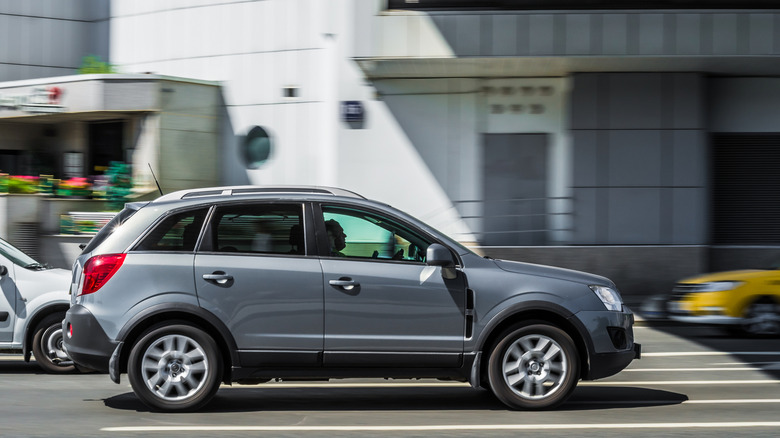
(383, 305)
(253, 272)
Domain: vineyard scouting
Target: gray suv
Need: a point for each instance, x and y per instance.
(248, 284)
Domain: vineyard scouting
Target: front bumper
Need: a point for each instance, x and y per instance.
(85, 341)
(611, 348)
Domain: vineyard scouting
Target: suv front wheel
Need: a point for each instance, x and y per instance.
(534, 366)
(175, 367)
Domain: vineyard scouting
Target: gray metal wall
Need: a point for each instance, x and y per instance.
(50, 38)
(640, 159)
(609, 33)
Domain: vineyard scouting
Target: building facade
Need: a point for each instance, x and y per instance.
(639, 143)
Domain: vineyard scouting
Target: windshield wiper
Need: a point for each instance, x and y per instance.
(37, 266)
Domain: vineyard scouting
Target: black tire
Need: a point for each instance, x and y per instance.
(47, 346)
(183, 368)
(533, 366)
(762, 318)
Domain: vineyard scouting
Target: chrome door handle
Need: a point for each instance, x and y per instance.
(219, 277)
(344, 283)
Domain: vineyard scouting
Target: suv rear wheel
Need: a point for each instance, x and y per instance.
(47, 345)
(534, 366)
(175, 367)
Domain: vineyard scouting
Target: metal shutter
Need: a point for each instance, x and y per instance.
(746, 189)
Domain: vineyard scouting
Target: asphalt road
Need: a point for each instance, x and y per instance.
(692, 381)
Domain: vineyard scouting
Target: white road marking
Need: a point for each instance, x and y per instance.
(675, 402)
(651, 370)
(444, 427)
(326, 385)
(732, 401)
(680, 382)
(710, 353)
(356, 385)
(12, 358)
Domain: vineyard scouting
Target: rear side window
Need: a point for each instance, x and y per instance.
(177, 232)
(259, 228)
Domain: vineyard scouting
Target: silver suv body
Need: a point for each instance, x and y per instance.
(248, 284)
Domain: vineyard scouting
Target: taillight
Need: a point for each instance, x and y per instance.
(98, 270)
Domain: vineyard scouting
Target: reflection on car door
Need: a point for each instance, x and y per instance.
(395, 315)
(383, 307)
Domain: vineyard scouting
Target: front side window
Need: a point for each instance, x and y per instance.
(358, 234)
(259, 228)
(177, 232)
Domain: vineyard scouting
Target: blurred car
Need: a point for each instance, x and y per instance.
(32, 306)
(748, 300)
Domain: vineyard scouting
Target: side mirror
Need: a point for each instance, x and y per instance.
(438, 255)
(3, 271)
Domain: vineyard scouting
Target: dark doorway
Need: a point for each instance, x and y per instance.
(105, 145)
(515, 190)
(746, 189)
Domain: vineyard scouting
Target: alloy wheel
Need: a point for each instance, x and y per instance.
(534, 366)
(174, 367)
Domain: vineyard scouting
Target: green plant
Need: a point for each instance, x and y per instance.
(22, 184)
(92, 64)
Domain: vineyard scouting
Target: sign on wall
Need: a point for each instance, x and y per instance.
(352, 111)
(44, 100)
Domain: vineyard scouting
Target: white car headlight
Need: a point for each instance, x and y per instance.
(718, 286)
(610, 297)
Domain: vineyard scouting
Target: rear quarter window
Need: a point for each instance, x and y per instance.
(109, 228)
(177, 232)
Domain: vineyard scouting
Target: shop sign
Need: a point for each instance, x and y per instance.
(352, 111)
(39, 100)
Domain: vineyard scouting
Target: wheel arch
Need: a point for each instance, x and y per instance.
(185, 313)
(544, 312)
(36, 319)
(748, 301)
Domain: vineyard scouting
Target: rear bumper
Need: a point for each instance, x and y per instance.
(85, 341)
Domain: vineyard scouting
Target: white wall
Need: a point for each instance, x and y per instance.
(257, 48)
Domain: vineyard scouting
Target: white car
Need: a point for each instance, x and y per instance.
(32, 306)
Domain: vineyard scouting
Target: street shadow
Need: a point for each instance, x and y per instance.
(759, 352)
(257, 399)
(11, 366)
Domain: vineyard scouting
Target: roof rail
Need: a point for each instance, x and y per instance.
(257, 190)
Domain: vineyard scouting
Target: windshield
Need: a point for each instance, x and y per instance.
(18, 257)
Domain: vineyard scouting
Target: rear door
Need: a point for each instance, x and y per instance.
(255, 272)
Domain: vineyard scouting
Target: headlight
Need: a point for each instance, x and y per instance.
(717, 286)
(610, 297)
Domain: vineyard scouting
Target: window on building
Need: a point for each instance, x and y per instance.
(256, 147)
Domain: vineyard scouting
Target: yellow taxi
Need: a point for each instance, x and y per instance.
(748, 299)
